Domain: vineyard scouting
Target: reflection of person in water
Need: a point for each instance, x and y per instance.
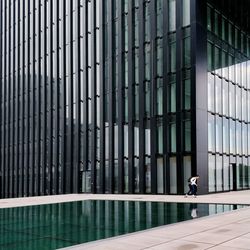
(193, 210)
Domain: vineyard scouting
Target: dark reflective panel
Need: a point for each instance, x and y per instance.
(64, 224)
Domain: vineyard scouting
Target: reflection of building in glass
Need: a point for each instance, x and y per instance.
(228, 57)
(119, 96)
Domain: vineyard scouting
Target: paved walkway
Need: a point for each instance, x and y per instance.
(225, 231)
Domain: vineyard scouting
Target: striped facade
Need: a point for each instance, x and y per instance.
(103, 96)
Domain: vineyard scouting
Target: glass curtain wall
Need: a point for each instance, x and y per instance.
(89, 102)
(228, 58)
(179, 73)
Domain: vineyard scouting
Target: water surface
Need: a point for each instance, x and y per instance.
(60, 225)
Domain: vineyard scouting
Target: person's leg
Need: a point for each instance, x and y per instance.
(195, 190)
(190, 189)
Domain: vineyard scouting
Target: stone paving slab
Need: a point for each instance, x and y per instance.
(238, 197)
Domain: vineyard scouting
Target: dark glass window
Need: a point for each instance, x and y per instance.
(216, 23)
(187, 94)
(187, 126)
(173, 175)
(172, 57)
(160, 136)
(172, 15)
(172, 99)
(173, 135)
(209, 18)
(186, 12)
(159, 18)
(187, 52)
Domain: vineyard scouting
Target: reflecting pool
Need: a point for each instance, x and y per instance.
(60, 225)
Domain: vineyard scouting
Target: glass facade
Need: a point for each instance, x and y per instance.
(228, 81)
(100, 96)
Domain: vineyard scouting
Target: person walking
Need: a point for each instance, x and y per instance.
(193, 186)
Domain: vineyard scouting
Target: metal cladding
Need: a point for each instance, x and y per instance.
(108, 96)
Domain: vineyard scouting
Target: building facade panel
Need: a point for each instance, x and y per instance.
(228, 91)
(110, 96)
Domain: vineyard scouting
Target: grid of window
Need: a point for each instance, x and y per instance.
(87, 102)
(228, 101)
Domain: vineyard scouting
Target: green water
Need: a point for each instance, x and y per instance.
(65, 224)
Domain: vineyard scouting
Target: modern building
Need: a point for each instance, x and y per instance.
(124, 96)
